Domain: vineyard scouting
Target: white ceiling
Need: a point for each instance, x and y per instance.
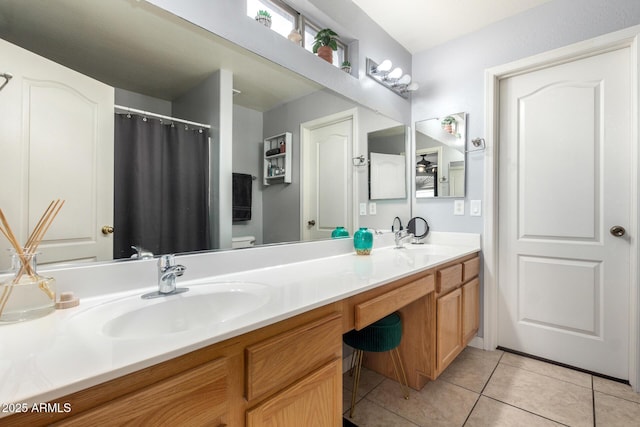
(422, 24)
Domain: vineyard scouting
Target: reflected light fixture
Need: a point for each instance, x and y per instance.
(392, 80)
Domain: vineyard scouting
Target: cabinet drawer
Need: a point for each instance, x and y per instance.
(278, 361)
(449, 278)
(199, 396)
(370, 311)
(470, 269)
(315, 400)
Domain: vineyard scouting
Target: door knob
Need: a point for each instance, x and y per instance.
(617, 230)
(311, 223)
(107, 229)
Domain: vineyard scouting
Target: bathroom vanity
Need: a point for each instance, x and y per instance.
(276, 365)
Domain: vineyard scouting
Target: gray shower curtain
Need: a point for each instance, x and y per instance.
(161, 186)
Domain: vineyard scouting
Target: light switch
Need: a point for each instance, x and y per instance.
(458, 207)
(372, 208)
(363, 208)
(476, 208)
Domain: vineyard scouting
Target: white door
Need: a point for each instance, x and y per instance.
(564, 181)
(327, 193)
(56, 137)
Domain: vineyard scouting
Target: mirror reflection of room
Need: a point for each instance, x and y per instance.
(387, 163)
(440, 156)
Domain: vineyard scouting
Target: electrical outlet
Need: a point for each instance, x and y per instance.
(372, 208)
(458, 207)
(363, 208)
(475, 208)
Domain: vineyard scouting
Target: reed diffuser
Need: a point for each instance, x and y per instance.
(27, 295)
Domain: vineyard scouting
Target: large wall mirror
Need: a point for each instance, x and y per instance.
(440, 167)
(387, 163)
(154, 60)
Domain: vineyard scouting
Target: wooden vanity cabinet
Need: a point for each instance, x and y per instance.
(300, 374)
(457, 310)
(200, 395)
(438, 325)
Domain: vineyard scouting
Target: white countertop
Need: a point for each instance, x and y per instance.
(62, 353)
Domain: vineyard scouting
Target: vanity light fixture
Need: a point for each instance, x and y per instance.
(394, 79)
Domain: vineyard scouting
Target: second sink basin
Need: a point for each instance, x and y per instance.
(202, 306)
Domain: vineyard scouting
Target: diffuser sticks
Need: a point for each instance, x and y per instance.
(27, 252)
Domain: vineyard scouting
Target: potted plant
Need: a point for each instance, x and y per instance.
(346, 67)
(264, 18)
(448, 124)
(325, 43)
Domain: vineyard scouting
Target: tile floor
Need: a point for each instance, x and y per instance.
(495, 388)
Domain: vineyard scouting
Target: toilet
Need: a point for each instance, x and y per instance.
(243, 242)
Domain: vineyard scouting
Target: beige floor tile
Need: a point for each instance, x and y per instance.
(551, 398)
(369, 414)
(368, 381)
(494, 355)
(612, 411)
(472, 368)
(548, 369)
(489, 412)
(439, 403)
(614, 388)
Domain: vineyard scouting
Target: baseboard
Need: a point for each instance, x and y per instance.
(477, 342)
(346, 363)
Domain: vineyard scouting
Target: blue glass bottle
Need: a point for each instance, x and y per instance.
(363, 241)
(339, 232)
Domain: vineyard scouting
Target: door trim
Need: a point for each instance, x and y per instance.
(628, 37)
(305, 130)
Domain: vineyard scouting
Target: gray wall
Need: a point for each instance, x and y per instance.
(210, 102)
(452, 77)
(228, 19)
(247, 158)
(281, 202)
(138, 101)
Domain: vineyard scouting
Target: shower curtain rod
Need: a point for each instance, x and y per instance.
(160, 116)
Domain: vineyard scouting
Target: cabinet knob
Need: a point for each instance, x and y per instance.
(311, 223)
(107, 229)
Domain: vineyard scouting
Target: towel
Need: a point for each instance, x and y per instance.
(241, 190)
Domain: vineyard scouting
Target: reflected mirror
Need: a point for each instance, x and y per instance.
(439, 163)
(154, 60)
(387, 163)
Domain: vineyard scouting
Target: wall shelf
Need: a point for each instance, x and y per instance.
(277, 167)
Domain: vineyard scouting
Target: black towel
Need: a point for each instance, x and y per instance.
(242, 184)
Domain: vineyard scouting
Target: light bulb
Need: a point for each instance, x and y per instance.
(412, 87)
(405, 80)
(395, 74)
(384, 66)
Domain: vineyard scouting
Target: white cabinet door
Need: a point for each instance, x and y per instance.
(327, 180)
(564, 181)
(56, 136)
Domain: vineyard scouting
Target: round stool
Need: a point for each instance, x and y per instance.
(383, 335)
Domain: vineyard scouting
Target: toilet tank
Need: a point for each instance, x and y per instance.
(243, 242)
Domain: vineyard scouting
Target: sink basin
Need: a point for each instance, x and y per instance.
(204, 305)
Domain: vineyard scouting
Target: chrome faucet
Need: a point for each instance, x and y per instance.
(168, 270)
(400, 237)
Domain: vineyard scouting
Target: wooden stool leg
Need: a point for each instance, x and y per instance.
(404, 384)
(357, 354)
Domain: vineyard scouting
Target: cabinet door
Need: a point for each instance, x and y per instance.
(449, 328)
(470, 310)
(197, 397)
(315, 400)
